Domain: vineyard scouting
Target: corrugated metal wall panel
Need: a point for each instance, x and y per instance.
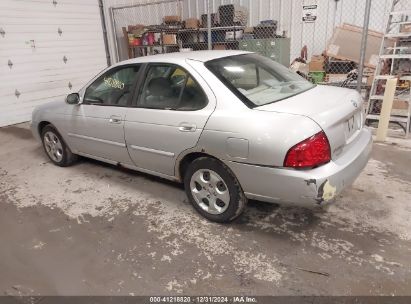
(34, 46)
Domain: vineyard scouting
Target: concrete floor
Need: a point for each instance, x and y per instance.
(93, 229)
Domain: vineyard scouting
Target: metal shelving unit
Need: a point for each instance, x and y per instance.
(182, 34)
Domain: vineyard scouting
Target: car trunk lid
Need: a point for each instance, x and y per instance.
(338, 111)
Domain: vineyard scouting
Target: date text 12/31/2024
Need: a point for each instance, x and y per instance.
(203, 299)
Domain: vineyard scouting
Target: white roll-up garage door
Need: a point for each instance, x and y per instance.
(48, 48)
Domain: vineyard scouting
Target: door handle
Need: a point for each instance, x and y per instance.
(187, 127)
(115, 119)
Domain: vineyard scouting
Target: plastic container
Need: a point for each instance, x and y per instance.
(317, 76)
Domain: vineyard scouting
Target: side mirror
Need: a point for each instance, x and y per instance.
(73, 98)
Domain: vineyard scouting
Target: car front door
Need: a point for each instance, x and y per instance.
(171, 110)
(97, 124)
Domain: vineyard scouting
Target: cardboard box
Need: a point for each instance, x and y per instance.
(192, 23)
(130, 28)
(316, 64)
(405, 28)
(346, 42)
(400, 104)
(169, 39)
(171, 19)
(219, 47)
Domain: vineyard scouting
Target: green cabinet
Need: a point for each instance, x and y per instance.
(253, 45)
(278, 49)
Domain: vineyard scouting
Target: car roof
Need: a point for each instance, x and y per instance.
(179, 57)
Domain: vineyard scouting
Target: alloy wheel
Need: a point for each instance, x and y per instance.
(53, 146)
(210, 191)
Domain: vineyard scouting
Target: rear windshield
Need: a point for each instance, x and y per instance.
(257, 80)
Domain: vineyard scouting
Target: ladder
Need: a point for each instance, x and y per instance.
(395, 48)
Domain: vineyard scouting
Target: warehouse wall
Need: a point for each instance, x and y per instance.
(47, 50)
(288, 13)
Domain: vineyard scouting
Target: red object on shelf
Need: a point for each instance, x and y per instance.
(150, 38)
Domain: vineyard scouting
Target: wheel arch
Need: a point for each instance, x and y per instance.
(41, 126)
(237, 198)
(187, 158)
(45, 123)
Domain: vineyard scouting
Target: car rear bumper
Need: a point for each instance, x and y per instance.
(305, 187)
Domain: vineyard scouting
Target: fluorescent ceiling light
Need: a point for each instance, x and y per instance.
(234, 69)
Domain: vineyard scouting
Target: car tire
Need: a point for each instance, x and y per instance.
(55, 147)
(213, 190)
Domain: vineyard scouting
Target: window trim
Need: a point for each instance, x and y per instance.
(113, 70)
(143, 76)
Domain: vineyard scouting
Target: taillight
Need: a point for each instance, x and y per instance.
(311, 152)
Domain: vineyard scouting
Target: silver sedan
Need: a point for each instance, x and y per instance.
(230, 125)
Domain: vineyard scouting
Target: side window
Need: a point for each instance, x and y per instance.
(113, 88)
(171, 87)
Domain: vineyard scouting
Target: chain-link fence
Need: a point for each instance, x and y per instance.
(319, 39)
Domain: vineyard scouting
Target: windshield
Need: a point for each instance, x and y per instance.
(256, 79)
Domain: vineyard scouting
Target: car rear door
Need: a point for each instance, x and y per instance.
(96, 126)
(171, 109)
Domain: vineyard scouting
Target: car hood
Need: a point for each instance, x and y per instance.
(47, 110)
(330, 107)
(57, 106)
